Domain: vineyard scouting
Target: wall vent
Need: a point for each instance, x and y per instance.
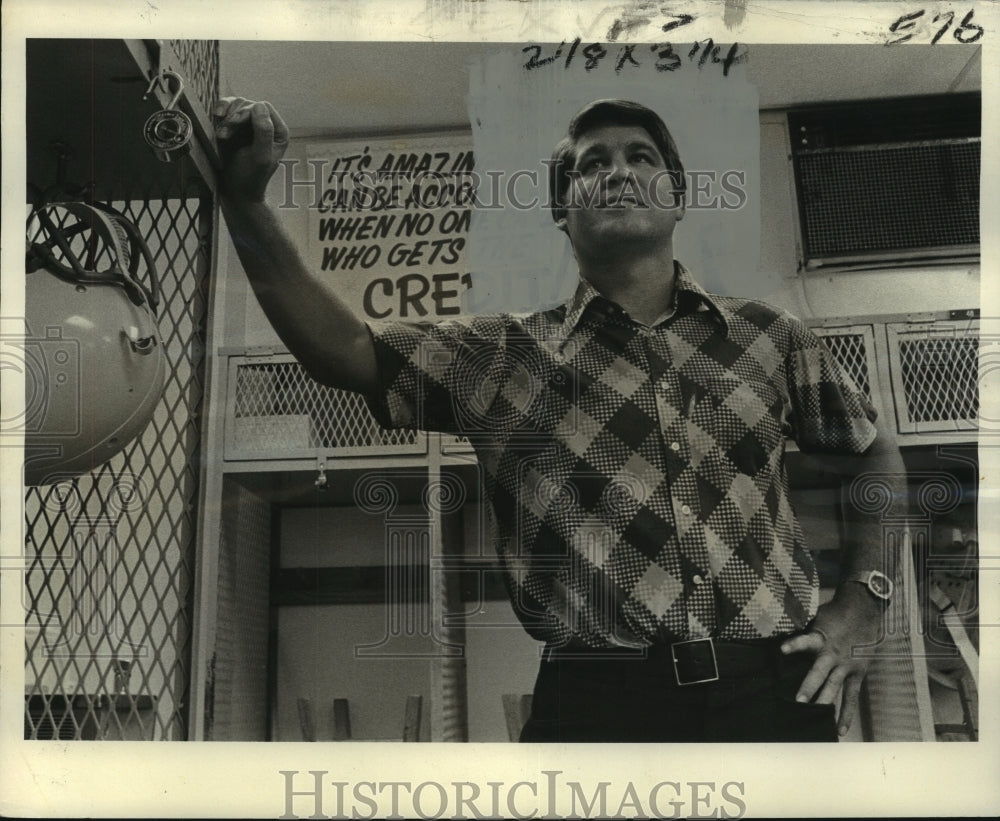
(888, 182)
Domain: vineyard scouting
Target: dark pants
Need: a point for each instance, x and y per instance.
(617, 697)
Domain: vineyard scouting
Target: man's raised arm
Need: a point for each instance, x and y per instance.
(315, 324)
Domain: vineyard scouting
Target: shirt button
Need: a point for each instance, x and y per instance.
(698, 579)
(675, 446)
(686, 509)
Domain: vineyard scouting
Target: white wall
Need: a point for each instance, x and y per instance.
(500, 660)
(317, 645)
(316, 660)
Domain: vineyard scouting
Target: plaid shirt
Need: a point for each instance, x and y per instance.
(635, 475)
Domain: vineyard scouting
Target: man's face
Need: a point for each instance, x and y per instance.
(620, 192)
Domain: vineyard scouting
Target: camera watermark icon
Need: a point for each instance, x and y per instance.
(987, 377)
(51, 367)
(107, 497)
(549, 495)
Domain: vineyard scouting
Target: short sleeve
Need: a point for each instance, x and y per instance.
(829, 412)
(428, 373)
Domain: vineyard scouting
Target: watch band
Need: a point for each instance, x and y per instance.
(878, 584)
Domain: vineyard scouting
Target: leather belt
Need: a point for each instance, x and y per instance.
(697, 661)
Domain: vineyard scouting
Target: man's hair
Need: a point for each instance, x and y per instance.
(601, 113)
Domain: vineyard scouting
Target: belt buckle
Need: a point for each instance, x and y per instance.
(694, 661)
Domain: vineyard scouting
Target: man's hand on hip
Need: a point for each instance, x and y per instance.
(838, 636)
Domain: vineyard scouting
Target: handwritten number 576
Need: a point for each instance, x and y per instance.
(964, 32)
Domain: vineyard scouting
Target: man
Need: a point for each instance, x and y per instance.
(632, 443)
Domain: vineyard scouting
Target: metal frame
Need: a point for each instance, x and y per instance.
(151, 56)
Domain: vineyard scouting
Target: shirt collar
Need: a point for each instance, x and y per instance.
(687, 293)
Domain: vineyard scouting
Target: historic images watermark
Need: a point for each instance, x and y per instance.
(406, 186)
(312, 794)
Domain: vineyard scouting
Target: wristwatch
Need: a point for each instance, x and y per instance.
(878, 584)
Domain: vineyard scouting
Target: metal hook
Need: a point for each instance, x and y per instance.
(168, 131)
(159, 79)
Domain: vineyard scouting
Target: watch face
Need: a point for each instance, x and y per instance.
(880, 585)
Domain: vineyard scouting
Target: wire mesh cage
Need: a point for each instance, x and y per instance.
(278, 411)
(110, 553)
(939, 379)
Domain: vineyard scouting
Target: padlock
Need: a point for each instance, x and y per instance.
(168, 132)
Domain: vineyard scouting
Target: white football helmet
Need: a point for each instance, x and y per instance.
(94, 366)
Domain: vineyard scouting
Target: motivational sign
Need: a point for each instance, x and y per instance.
(390, 227)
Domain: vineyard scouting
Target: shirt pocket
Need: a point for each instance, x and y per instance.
(744, 421)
